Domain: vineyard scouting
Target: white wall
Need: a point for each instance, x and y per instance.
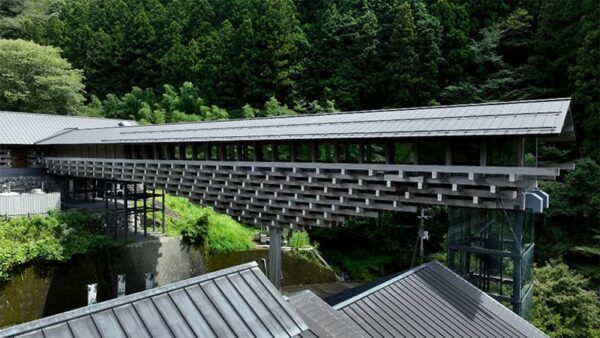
(24, 204)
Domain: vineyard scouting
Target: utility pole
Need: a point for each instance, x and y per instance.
(421, 235)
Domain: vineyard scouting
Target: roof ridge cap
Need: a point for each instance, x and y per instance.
(378, 287)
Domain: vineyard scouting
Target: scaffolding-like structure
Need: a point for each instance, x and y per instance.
(132, 206)
(79, 189)
(493, 249)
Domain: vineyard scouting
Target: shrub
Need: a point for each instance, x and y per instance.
(562, 306)
(54, 237)
(196, 232)
(299, 239)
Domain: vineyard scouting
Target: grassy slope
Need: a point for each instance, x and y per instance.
(224, 233)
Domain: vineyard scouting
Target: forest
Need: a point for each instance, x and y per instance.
(160, 61)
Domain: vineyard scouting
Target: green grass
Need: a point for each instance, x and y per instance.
(224, 233)
(299, 239)
(52, 237)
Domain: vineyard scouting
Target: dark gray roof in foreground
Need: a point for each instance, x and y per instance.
(433, 301)
(322, 317)
(29, 128)
(238, 301)
(549, 117)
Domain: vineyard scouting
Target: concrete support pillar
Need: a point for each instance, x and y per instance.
(275, 256)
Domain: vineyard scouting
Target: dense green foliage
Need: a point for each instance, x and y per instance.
(218, 233)
(562, 306)
(36, 79)
(571, 226)
(239, 55)
(160, 61)
(55, 237)
(368, 249)
(299, 239)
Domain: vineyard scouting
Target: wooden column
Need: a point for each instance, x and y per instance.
(389, 152)
(292, 152)
(182, 151)
(521, 150)
(194, 151)
(361, 152)
(275, 152)
(448, 153)
(275, 256)
(483, 153)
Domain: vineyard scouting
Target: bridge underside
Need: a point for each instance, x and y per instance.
(314, 194)
(296, 195)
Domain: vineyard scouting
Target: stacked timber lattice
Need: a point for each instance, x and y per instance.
(319, 194)
(5, 158)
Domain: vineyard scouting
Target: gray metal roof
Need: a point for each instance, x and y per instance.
(235, 302)
(320, 316)
(433, 301)
(29, 128)
(540, 117)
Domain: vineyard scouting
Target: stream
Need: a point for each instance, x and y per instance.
(42, 289)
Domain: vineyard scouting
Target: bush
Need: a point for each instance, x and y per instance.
(299, 239)
(562, 306)
(55, 237)
(196, 232)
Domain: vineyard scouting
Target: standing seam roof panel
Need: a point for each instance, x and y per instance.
(507, 118)
(451, 311)
(435, 301)
(419, 314)
(238, 301)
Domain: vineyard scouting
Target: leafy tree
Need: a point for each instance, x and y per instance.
(214, 113)
(314, 107)
(455, 40)
(428, 38)
(274, 108)
(562, 306)
(248, 112)
(570, 225)
(218, 80)
(37, 79)
(344, 53)
(27, 19)
(403, 67)
(587, 85)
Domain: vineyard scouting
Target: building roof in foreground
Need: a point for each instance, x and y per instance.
(431, 301)
(29, 128)
(427, 301)
(238, 301)
(326, 320)
(548, 118)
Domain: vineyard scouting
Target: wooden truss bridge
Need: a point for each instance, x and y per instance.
(321, 170)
